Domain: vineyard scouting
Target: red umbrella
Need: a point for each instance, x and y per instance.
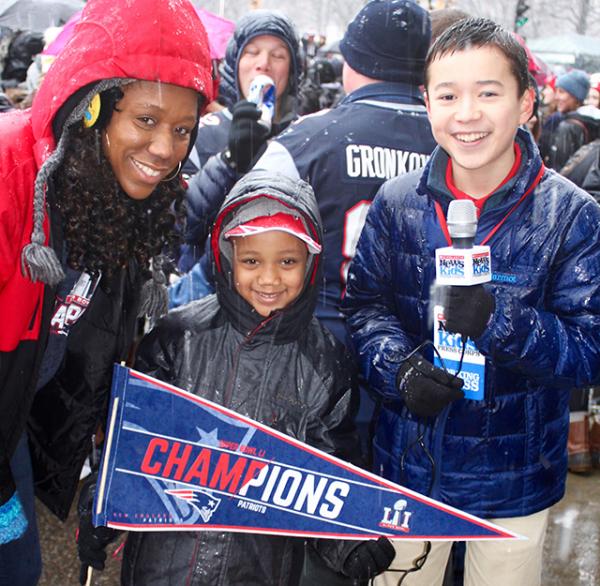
(219, 31)
(537, 67)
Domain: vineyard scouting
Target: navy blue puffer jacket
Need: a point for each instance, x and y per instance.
(504, 456)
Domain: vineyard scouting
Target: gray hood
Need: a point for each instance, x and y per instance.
(257, 194)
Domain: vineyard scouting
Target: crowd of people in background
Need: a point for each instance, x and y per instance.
(367, 144)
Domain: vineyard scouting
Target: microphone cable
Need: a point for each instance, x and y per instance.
(419, 562)
(421, 427)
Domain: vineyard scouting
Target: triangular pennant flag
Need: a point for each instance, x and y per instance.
(173, 460)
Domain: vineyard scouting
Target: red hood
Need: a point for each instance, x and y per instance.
(153, 40)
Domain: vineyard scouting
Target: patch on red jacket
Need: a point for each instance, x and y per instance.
(68, 310)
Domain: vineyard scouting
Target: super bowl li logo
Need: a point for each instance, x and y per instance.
(396, 517)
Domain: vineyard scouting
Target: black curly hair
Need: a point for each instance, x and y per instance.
(103, 227)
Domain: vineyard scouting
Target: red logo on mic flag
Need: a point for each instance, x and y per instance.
(173, 461)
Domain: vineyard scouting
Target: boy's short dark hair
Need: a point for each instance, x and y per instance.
(481, 32)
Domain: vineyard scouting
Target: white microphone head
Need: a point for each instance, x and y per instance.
(462, 219)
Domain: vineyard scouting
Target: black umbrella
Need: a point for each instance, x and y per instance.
(37, 15)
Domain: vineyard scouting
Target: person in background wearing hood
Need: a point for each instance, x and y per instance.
(88, 177)
(278, 365)
(577, 124)
(378, 131)
(264, 42)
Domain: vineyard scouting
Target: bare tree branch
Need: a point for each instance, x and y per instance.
(545, 17)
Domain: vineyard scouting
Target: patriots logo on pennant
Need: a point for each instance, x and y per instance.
(202, 501)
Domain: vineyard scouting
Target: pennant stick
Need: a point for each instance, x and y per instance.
(88, 582)
(109, 440)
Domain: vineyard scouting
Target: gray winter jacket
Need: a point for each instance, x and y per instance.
(285, 371)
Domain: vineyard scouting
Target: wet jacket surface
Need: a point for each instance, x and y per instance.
(583, 168)
(105, 45)
(574, 130)
(285, 371)
(504, 456)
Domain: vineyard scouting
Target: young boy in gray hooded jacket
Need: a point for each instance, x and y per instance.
(255, 347)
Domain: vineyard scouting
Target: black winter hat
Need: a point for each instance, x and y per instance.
(388, 40)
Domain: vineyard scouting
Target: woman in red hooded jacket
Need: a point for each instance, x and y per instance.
(88, 179)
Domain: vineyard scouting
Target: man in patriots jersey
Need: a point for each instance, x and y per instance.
(378, 131)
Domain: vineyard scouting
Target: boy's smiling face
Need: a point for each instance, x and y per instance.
(269, 269)
(475, 108)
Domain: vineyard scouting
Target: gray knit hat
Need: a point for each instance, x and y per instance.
(576, 82)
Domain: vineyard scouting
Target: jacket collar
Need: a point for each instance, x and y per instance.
(386, 91)
(281, 327)
(432, 182)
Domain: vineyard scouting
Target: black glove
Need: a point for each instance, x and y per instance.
(247, 137)
(91, 541)
(369, 558)
(468, 310)
(425, 388)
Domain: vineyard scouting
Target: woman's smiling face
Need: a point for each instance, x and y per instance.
(149, 134)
